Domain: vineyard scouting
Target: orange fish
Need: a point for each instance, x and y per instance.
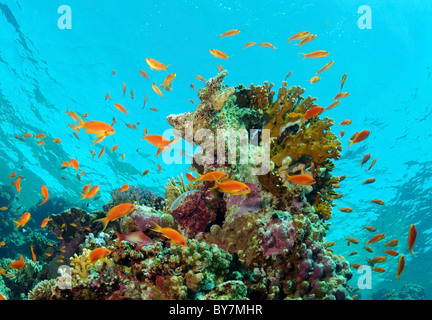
(12, 175)
(333, 105)
(41, 143)
(157, 90)
(89, 195)
(159, 168)
(401, 266)
(353, 253)
(301, 179)
(132, 94)
(341, 134)
(45, 194)
(365, 159)
(306, 39)
(114, 148)
(3, 208)
(330, 244)
(360, 137)
(137, 237)
(113, 72)
(156, 140)
(71, 114)
(120, 108)
(343, 79)
(27, 135)
(145, 172)
(232, 187)
(98, 253)
(372, 164)
(57, 140)
(101, 153)
(168, 79)
(315, 54)
(412, 236)
(346, 209)
(191, 101)
(107, 96)
(144, 74)
(351, 240)
(392, 243)
(379, 259)
(392, 253)
(249, 44)
(117, 212)
(371, 229)
(17, 184)
(377, 201)
(299, 35)
(326, 67)
(379, 270)
(40, 136)
(211, 176)
(124, 88)
(376, 238)
(33, 254)
(154, 64)
(314, 79)
(45, 222)
(74, 163)
(218, 54)
(18, 264)
(267, 44)
(92, 153)
(98, 128)
(172, 234)
(124, 188)
(200, 78)
(341, 95)
(86, 189)
(123, 157)
(220, 68)
(345, 123)
(145, 100)
(369, 181)
(2, 244)
(154, 109)
(229, 33)
(311, 113)
(192, 86)
(368, 249)
(23, 220)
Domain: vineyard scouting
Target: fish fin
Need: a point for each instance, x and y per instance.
(411, 250)
(139, 247)
(199, 177)
(145, 134)
(120, 236)
(79, 125)
(158, 227)
(351, 142)
(17, 224)
(166, 67)
(104, 221)
(304, 55)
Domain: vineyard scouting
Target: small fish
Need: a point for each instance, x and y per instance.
(172, 234)
(124, 88)
(4, 208)
(341, 95)
(113, 72)
(392, 243)
(40, 136)
(333, 105)
(57, 140)
(342, 177)
(345, 123)
(306, 39)
(154, 64)
(120, 108)
(378, 201)
(326, 67)
(314, 79)
(85, 115)
(315, 54)
(18, 264)
(346, 209)
(144, 74)
(74, 163)
(27, 135)
(232, 187)
(369, 181)
(343, 79)
(145, 172)
(157, 90)
(12, 175)
(2, 244)
(117, 212)
(365, 159)
(159, 168)
(72, 114)
(191, 101)
(288, 75)
(168, 80)
(368, 249)
(268, 45)
(41, 143)
(92, 153)
(137, 237)
(220, 68)
(369, 228)
(200, 78)
(351, 240)
(301, 179)
(192, 86)
(154, 109)
(23, 220)
(218, 54)
(132, 94)
(229, 33)
(211, 176)
(76, 135)
(400, 266)
(114, 148)
(412, 236)
(379, 270)
(330, 244)
(17, 184)
(372, 164)
(249, 44)
(98, 253)
(89, 195)
(98, 128)
(32, 252)
(107, 96)
(145, 100)
(353, 253)
(392, 253)
(113, 121)
(376, 238)
(360, 137)
(299, 35)
(45, 195)
(123, 157)
(379, 259)
(45, 222)
(124, 188)
(60, 260)
(309, 114)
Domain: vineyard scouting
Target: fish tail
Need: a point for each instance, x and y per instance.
(76, 127)
(120, 236)
(351, 142)
(17, 224)
(411, 250)
(104, 221)
(305, 55)
(166, 66)
(158, 227)
(145, 134)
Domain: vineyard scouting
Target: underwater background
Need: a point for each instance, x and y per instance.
(46, 70)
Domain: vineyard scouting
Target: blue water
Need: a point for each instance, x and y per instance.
(44, 70)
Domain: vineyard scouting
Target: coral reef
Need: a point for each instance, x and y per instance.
(135, 194)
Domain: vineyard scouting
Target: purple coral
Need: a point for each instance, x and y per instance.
(278, 236)
(245, 204)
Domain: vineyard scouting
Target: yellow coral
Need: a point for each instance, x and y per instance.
(81, 264)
